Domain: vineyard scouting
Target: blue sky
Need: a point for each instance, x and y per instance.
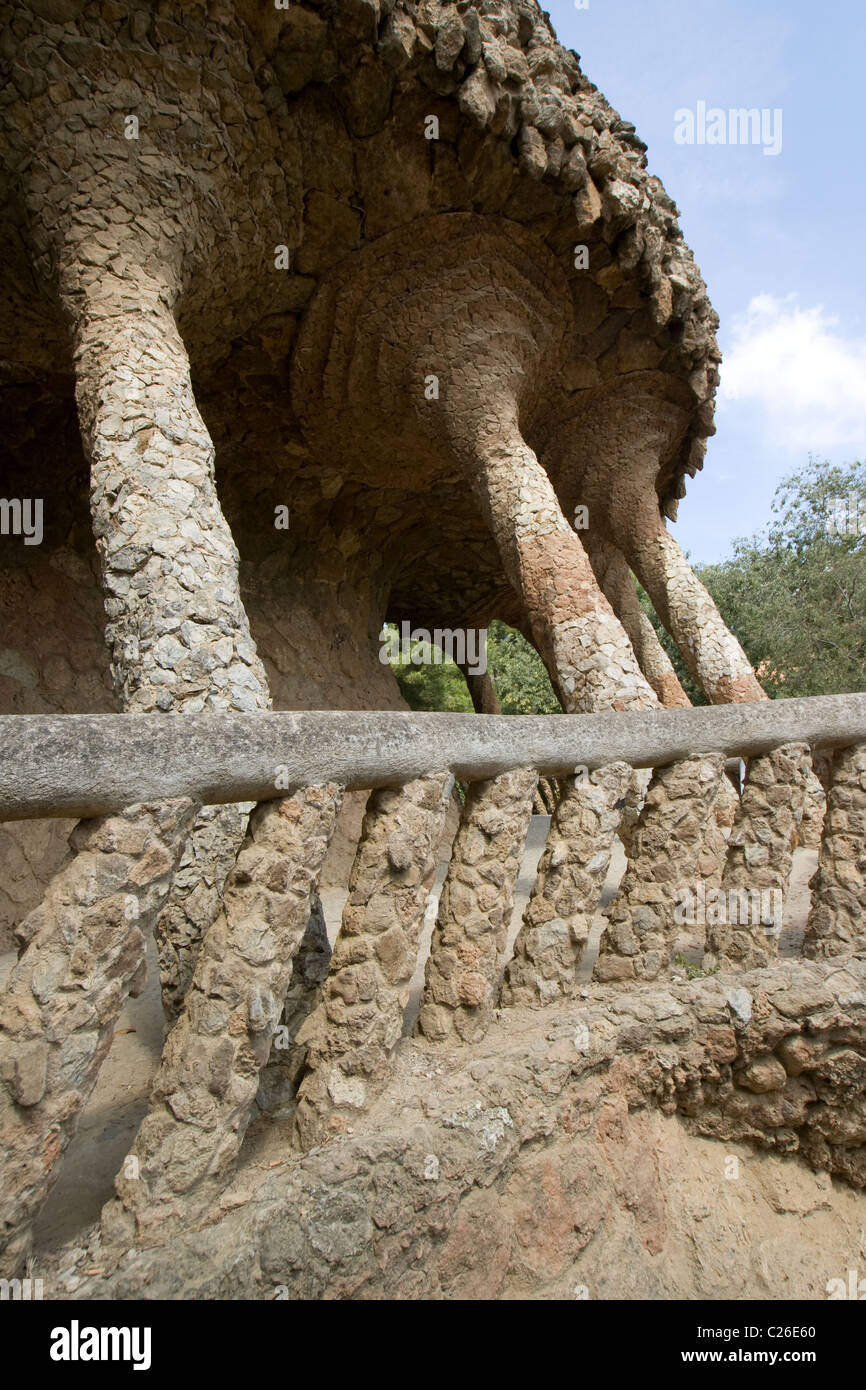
(779, 238)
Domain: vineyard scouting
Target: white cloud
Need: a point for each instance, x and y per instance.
(806, 380)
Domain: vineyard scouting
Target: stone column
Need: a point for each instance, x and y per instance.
(638, 942)
(760, 855)
(482, 691)
(83, 953)
(710, 650)
(577, 633)
(836, 920)
(462, 975)
(207, 859)
(615, 578)
(207, 1081)
(567, 891)
(352, 1033)
(177, 631)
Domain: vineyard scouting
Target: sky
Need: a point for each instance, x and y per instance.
(780, 238)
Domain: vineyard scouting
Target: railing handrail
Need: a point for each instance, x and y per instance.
(94, 764)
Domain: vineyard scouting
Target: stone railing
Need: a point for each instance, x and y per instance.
(265, 1015)
(95, 764)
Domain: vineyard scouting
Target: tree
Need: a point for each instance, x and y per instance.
(517, 671)
(433, 685)
(795, 594)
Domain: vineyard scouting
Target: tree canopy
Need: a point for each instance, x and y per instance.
(518, 674)
(795, 593)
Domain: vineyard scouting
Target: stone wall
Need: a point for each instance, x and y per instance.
(546, 1169)
(53, 657)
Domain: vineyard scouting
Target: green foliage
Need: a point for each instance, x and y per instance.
(795, 595)
(693, 972)
(518, 674)
(430, 686)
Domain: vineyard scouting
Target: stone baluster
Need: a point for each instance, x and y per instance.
(745, 923)
(462, 975)
(568, 887)
(84, 952)
(202, 1096)
(835, 924)
(639, 940)
(351, 1034)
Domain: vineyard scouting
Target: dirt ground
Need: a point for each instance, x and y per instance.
(119, 1100)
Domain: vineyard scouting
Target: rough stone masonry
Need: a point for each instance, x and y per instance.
(313, 318)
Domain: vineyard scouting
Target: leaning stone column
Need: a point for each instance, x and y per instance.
(760, 856)
(615, 578)
(567, 890)
(836, 920)
(710, 650)
(351, 1035)
(638, 941)
(177, 631)
(462, 975)
(482, 691)
(207, 1081)
(579, 637)
(83, 953)
(207, 859)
